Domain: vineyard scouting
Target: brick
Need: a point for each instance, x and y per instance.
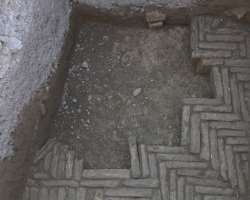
(211, 54)
(54, 161)
(243, 51)
(231, 133)
(180, 164)
(78, 168)
(185, 125)
(32, 182)
(240, 70)
(45, 150)
(61, 165)
(47, 161)
(219, 117)
(210, 108)
(144, 161)
(166, 149)
(26, 193)
(153, 165)
(214, 149)
(218, 45)
(202, 27)
(228, 125)
(44, 194)
(61, 194)
(222, 156)
(163, 180)
(127, 198)
(248, 46)
(241, 148)
(195, 133)
(243, 77)
(243, 105)
(189, 172)
(231, 165)
(213, 197)
(208, 62)
(224, 38)
(100, 183)
(134, 156)
(194, 35)
(69, 164)
(129, 192)
(237, 140)
(241, 181)
(178, 157)
(141, 183)
(40, 175)
(202, 101)
(211, 174)
(81, 193)
(106, 173)
(205, 149)
(228, 30)
(198, 197)
(245, 169)
(99, 194)
(53, 194)
(173, 185)
(237, 62)
(213, 190)
(180, 186)
(206, 182)
(156, 195)
(71, 194)
(247, 87)
(60, 183)
(244, 156)
(189, 192)
(217, 81)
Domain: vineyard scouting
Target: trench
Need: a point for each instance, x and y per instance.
(124, 79)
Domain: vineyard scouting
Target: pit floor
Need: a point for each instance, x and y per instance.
(124, 81)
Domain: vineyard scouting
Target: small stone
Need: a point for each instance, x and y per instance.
(12, 43)
(155, 25)
(238, 12)
(85, 65)
(1, 45)
(155, 16)
(137, 91)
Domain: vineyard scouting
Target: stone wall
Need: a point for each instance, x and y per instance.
(32, 35)
(177, 11)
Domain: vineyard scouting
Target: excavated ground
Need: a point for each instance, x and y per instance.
(125, 80)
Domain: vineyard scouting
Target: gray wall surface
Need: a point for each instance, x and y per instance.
(31, 35)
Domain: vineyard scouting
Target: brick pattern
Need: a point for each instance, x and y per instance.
(211, 162)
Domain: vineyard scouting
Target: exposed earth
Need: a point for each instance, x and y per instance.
(125, 81)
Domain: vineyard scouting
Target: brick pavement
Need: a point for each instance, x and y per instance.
(211, 163)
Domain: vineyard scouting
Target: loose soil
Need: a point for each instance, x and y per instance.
(125, 81)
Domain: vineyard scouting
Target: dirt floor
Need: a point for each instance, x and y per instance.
(125, 81)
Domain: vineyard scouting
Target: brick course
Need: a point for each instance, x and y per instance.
(211, 162)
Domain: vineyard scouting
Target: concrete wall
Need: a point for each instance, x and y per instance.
(32, 34)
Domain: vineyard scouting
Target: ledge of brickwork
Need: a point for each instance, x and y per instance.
(211, 163)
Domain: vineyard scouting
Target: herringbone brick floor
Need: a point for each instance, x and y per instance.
(211, 163)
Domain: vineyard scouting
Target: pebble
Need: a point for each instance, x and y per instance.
(137, 91)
